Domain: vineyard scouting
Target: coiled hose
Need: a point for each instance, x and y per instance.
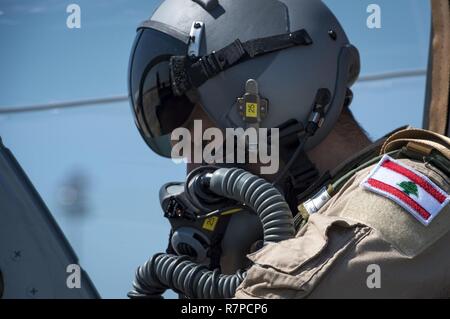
(164, 271)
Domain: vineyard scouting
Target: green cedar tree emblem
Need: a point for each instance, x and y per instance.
(409, 188)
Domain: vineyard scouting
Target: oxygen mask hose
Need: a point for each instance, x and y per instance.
(164, 271)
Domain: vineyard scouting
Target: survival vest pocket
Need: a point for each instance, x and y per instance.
(292, 268)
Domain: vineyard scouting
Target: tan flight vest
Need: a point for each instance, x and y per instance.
(361, 244)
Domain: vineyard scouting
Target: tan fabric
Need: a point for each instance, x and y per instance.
(440, 67)
(426, 139)
(396, 225)
(330, 256)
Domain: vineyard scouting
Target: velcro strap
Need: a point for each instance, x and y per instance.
(214, 63)
(180, 79)
(276, 43)
(209, 66)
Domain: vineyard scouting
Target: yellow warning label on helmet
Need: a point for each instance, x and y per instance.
(210, 223)
(251, 109)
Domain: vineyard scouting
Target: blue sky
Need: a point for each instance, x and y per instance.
(44, 61)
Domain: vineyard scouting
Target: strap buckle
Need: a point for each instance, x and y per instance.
(195, 39)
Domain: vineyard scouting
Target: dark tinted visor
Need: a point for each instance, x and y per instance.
(156, 109)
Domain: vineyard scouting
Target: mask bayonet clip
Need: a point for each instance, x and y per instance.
(252, 107)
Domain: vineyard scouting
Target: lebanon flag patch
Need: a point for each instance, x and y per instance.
(408, 188)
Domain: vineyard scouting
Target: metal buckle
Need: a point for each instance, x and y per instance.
(195, 39)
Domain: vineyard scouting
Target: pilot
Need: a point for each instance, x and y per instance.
(371, 219)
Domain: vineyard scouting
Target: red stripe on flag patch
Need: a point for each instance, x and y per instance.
(400, 195)
(416, 179)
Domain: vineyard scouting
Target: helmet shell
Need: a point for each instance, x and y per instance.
(289, 78)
